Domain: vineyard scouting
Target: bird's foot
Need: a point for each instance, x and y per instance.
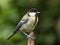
(29, 36)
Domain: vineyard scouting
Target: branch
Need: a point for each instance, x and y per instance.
(31, 40)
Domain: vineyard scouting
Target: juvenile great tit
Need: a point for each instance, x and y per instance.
(27, 23)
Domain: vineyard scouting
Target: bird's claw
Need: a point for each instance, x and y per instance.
(29, 36)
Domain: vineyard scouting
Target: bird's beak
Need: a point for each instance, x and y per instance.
(38, 12)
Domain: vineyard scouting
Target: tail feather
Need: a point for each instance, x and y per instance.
(10, 36)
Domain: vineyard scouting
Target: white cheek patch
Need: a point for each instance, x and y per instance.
(32, 13)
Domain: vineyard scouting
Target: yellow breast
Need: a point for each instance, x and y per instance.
(29, 25)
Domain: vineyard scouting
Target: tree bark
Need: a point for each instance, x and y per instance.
(31, 40)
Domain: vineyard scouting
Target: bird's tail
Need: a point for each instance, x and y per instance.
(10, 36)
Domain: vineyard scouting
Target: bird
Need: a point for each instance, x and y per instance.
(27, 23)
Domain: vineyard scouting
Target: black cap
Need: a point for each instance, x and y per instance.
(33, 10)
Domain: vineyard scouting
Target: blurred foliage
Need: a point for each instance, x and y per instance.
(47, 31)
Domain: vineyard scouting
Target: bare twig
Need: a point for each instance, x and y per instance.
(31, 40)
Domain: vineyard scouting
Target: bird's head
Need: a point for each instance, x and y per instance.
(33, 12)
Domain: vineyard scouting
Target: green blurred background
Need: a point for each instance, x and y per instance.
(47, 31)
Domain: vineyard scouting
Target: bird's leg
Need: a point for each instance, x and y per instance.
(28, 36)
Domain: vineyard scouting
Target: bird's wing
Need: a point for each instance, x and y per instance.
(23, 21)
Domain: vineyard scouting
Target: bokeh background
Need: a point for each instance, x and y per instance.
(47, 31)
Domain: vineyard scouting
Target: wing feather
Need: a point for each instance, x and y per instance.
(23, 21)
